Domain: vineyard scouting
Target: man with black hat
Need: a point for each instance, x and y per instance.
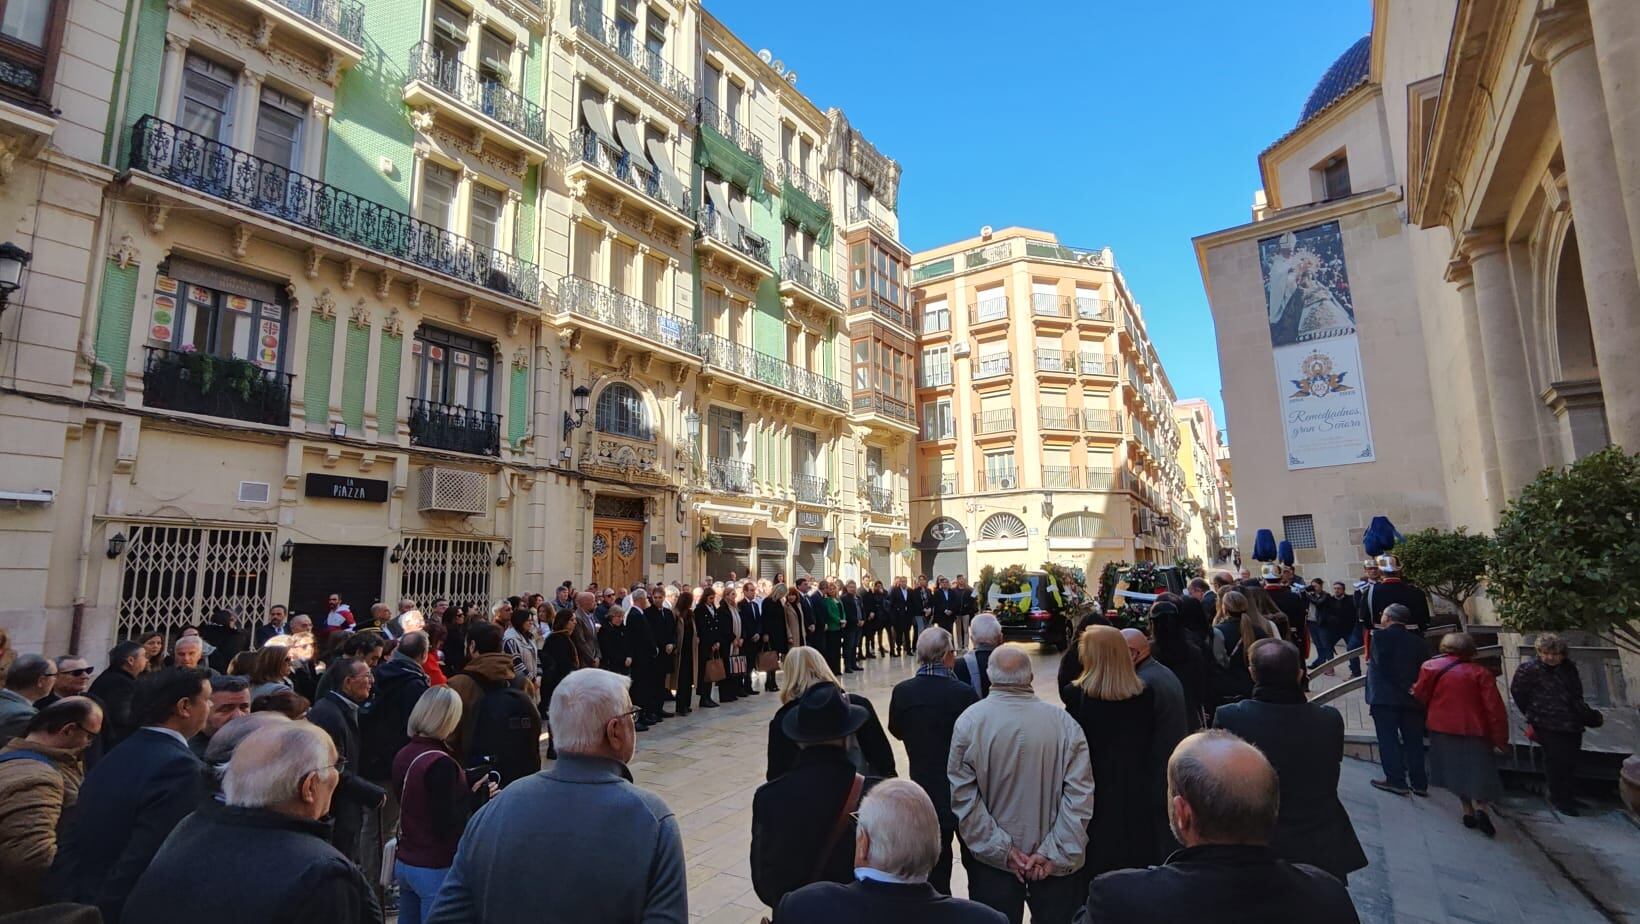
(1391, 590)
(1292, 605)
(802, 829)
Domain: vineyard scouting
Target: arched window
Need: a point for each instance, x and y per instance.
(1002, 526)
(1081, 525)
(621, 412)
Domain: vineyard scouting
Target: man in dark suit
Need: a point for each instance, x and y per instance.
(133, 798)
(966, 608)
(1222, 804)
(115, 690)
(891, 884)
(899, 616)
(944, 602)
(1305, 745)
(854, 620)
(922, 605)
(337, 712)
(1397, 716)
(1394, 589)
(969, 669)
(922, 712)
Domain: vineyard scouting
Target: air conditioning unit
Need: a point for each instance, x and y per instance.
(254, 492)
(1005, 483)
(453, 490)
(961, 349)
(948, 487)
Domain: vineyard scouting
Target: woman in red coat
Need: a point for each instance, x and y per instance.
(1467, 723)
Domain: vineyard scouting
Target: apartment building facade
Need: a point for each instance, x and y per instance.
(1206, 486)
(440, 298)
(1046, 422)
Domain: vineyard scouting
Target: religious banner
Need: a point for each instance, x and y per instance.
(1320, 390)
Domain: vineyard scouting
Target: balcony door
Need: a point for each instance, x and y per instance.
(727, 432)
(207, 102)
(453, 370)
(805, 454)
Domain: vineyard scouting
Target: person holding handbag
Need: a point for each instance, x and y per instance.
(713, 636)
(1549, 692)
(1467, 723)
(435, 798)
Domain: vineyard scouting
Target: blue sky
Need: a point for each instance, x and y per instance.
(1132, 124)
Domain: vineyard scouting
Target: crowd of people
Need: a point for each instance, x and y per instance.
(342, 767)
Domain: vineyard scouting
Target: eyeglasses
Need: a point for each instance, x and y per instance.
(79, 672)
(628, 714)
(340, 766)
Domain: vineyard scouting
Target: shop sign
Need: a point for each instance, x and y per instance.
(338, 487)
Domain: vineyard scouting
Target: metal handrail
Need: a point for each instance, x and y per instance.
(810, 489)
(772, 370)
(586, 147)
(477, 92)
(880, 500)
(1357, 652)
(1097, 364)
(879, 403)
(999, 421)
(1091, 309)
(1356, 683)
(1058, 418)
(201, 383)
(713, 226)
(437, 425)
(710, 113)
(857, 216)
(173, 153)
(1055, 361)
(987, 367)
(1048, 305)
(600, 303)
(807, 185)
(621, 40)
(987, 310)
(811, 277)
(345, 18)
(730, 475)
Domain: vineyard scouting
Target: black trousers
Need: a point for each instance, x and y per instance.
(940, 878)
(1053, 900)
(1560, 750)
(901, 635)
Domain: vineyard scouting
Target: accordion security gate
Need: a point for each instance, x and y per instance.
(177, 576)
(455, 569)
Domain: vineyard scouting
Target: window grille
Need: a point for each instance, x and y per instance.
(1080, 525)
(1002, 526)
(177, 576)
(455, 569)
(1299, 530)
(620, 411)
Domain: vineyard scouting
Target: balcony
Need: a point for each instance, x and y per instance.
(1095, 310)
(616, 172)
(880, 500)
(791, 174)
(1006, 480)
(1102, 422)
(881, 405)
(709, 113)
(743, 252)
(805, 282)
(772, 371)
(196, 163)
(583, 298)
(1058, 418)
(988, 310)
(730, 476)
(1049, 307)
(1057, 362)
(865, 217)
(335, 25)
(625, 46)
(201, 383)
(939, 486)
(989, 367)
(1102, 480)
(434, 425)
(1000, 421)
(479, 101)
(1060, 476)
(889, 311)
(810, 489)
(1098, 364)
(936, 376)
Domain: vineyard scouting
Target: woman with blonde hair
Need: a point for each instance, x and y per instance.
(270, 671)
(1467, 723)
(1238, 626)
(435, 799)
(1117, 713)
(868, 748)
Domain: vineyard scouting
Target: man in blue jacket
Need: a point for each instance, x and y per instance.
(1392, 668)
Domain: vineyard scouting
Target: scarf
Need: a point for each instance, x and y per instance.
(935, 670)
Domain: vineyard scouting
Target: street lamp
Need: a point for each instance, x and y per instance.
(504, 559)
(13, 260)
(578, 402)
(287, 550)
(116, 545)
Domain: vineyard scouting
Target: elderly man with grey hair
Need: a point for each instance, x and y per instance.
(894, 850)
(986, 634)
(31, 678)
(1022, 794)
(266, 848)
(584, 630)
(923, 713)
(627, 864)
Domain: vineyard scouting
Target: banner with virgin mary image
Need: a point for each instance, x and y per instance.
(1320, 391)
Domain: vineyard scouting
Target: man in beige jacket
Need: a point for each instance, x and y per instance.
(40, 776)
(1022, 791)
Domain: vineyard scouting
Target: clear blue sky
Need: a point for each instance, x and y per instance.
(1132, 124)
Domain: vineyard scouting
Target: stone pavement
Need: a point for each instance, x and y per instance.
(1424, 865)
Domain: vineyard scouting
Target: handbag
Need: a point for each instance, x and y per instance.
(390, 850)
(737, 664)
(768, 661)
(1592, 717)
(714, 671)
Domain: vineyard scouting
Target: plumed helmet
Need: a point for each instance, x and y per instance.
(1389, 564)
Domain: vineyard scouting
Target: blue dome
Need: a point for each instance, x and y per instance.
(1348, 72)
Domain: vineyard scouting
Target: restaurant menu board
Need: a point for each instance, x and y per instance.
(176, 302)
(165, 310)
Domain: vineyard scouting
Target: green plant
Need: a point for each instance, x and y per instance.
(1450, 564)
(1189, 568)
(987, 577)
(858, 552)
(1108, 578)
(1567, 550)
(710, 543)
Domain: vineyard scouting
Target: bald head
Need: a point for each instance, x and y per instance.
(586, 600)
(1009, 665)
(1138, 645)
(1221, 790)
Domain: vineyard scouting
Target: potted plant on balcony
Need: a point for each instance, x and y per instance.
(241, 376)
(710, 543)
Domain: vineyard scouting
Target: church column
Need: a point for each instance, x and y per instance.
(1461, 276)
(1508, 388)
(1565, 43)
(1617, 22)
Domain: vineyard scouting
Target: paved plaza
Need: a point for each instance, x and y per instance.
(1424, 865)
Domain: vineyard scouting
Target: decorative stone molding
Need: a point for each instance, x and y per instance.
(475, 144)
(313, 259)
(332, 72)
(173, 41)
(514, 318)
(578, 189)
(156, 217)
(384, 284)
(359, 314)
(322, 108)
(394, 325)
(521, 359)
(325, 305)
(467, 306)
(1556, 196)
(1560, 31)
(124, 253)
(263, 36)
(241, 240)
(421, 119)
(632, 460)
(415, 293)
(350, 270)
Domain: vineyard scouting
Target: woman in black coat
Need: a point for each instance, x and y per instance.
(712, 636)
(1183, 652)
(868, 748)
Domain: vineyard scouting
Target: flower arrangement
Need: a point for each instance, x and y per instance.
(710, 543)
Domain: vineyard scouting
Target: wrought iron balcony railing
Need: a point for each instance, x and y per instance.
(436, 425)
(586, 147)
(807, 185)
(588, 299)
(1098, 364)
(1000, 421)
(1102, 421)
(1092, 309)
(1060, 476)
(621, 39)
(893, 312)
(880, 500)
(989, 367)
(1058, 418)
(713, 226)
(811, 277)
(810, 489)
(876, 402)
(478, 92)
(988, 309)
(343, 18)
(202, 383)
(198, 163)
(865, 216)
(1048, 305)
(730, 475)
(1055, 361)
(710, 113)
(772, 370)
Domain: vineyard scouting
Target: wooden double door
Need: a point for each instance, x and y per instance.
(617, 552)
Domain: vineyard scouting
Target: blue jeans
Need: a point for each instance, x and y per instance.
(418, 886)
(851, 648)
(1401, 744)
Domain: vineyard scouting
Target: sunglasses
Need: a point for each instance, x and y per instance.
(79, 672)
